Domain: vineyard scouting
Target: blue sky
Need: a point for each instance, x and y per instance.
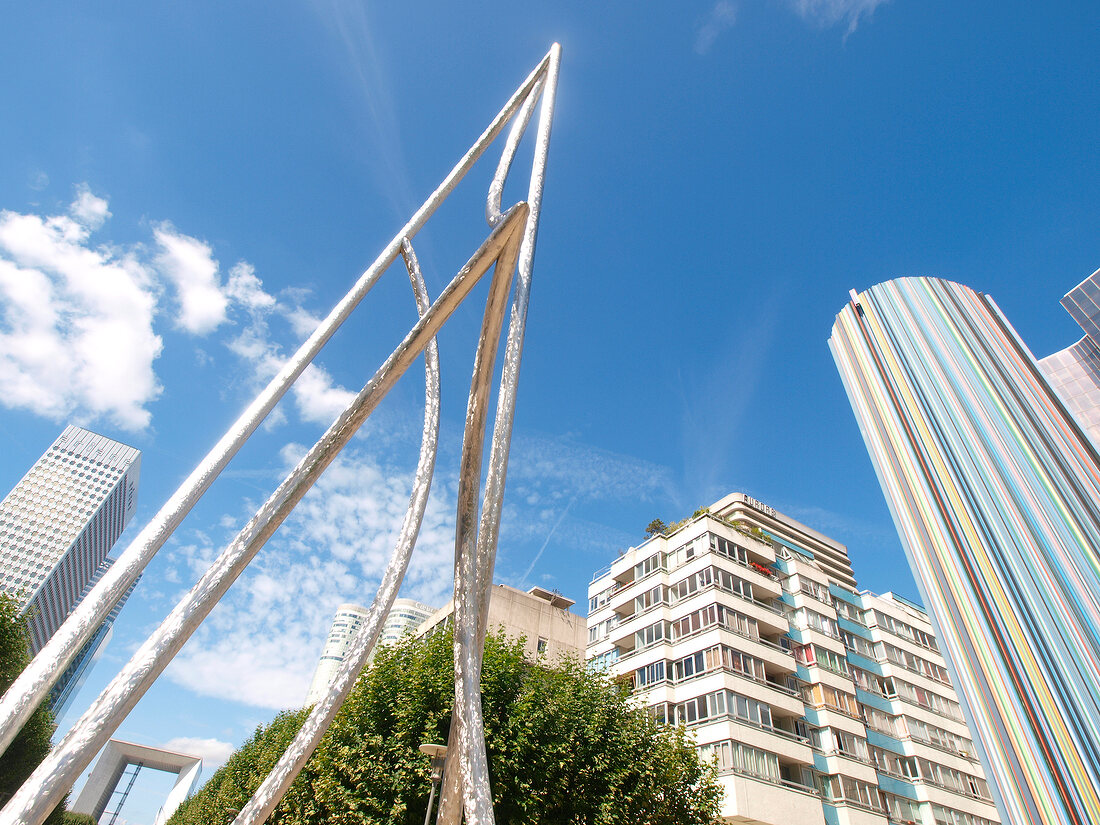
(186, 186)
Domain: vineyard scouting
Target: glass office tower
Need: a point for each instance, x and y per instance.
(995, 492)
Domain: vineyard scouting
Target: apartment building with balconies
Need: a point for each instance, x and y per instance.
(741, 624)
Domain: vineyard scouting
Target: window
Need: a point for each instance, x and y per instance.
(711, 576)
(881, 721)
(907, 660)
(814, 589)
(603, 662)
(750, 710)
(924, 698)
(649, 675)
(688, 666)
(948, 816)
(727, 548)
(683, 554)
(652, 634)
(953, 780)
(602, 630)
(846, 789)
(857, 644)
(651, 598)
(735, 756)
(599, 600)
(715, 614)
(649, 565)
(905, 631)
(805, 618)
(820, 695)
(939, 738)
(900, 809)
(541, 647)
(892, 763)
(870, 682)
(832, 740)
(701, 708)
(830, 660)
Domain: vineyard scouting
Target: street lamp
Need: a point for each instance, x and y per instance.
(438, 755)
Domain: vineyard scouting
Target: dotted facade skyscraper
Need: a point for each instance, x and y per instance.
(60, 520)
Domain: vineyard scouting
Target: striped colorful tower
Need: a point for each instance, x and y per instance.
(995, 492)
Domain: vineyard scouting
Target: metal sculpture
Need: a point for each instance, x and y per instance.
(508, 249)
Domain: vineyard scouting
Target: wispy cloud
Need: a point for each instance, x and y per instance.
(359, 58)
(831, 12)
(261, 644)
(555, 483)
(721, 17)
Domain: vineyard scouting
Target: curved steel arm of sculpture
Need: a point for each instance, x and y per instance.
(40, 794)
(470, 643)
(271, 790)
(511, 241)
(515, 135)
(29, 690)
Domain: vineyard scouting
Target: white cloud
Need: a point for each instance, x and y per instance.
(261, 644)
(76, 322)
(722, 16)
(831, 12)
(89, 210)
(189, 265)
(316, 397)
(246, 289)
(214, 752)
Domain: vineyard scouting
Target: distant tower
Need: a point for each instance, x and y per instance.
(995, 492)
(404, 617)
(60, 520)
(1075, 371)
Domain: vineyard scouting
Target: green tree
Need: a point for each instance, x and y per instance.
(564, 746)
(655, 527)
(32, 743)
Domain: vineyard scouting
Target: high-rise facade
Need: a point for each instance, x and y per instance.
(820, 705)
(404, 617)
(1075, 371)
(995, 491)
(59, 521)
(72, 678)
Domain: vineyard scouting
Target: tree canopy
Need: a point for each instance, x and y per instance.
(32, 743)
(565, 746)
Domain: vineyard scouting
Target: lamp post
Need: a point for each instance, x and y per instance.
(438, 755)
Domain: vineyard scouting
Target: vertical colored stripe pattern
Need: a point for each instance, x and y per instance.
(995, 492)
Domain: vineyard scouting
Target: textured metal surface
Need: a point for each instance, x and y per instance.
(53, 778)
(271, 790)
(454, 798)
(28, 691)
(509, 248)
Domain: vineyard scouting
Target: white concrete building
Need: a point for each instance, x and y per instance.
(541, 617)
(744, 626)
